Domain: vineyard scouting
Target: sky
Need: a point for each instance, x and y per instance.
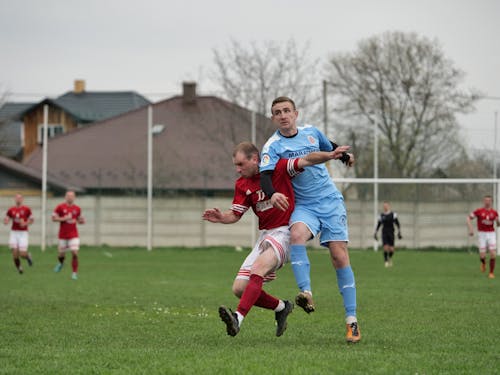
(151, 46)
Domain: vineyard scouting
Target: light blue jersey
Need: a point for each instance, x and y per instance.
(318, 202)
(314, 183)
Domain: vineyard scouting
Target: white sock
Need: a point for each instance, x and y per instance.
(280, 307)
(351, 319)
(240, 317)
(308, 292)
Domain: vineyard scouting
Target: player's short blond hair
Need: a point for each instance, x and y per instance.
(247, 148)
(282, 99)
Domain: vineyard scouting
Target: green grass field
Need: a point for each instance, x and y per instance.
(134, 312)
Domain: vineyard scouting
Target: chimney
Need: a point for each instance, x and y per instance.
(189, 92)
(79, 86)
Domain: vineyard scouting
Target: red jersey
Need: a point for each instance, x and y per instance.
(248, 193)
(485, 219)
(18, 213)
(67, 229)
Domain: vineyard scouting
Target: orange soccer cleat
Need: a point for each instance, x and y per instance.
(491, 275)
(353, 333)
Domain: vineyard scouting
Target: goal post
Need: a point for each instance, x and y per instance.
(484, 186)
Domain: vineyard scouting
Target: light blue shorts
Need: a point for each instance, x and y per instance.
(326, 216)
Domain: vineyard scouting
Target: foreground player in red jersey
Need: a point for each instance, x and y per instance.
(21, 218)
(68, 215)
(486, 219)
(272, 249)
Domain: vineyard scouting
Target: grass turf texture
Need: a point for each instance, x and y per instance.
(145, 313)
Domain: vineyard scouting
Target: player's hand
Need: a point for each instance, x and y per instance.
(22, 223)
(81, 220)
(375, 237)
(351, 161)
(400, 237)
(471, 233)
(214, 215)
(280, 201)
(339, 151)
(6, 220)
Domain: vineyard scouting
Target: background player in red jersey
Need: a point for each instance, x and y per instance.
(21, 218)
(272, 248)
(68, 215)
(486, 219)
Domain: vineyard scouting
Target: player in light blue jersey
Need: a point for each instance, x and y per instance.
(319, 207)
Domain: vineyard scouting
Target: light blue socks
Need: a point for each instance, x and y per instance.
(347, 288)
(301, 267)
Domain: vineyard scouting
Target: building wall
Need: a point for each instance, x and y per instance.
(35, 117)
(122, 221)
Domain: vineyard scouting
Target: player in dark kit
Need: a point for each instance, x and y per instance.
(387, 220)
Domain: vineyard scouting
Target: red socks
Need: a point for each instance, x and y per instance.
(267, 301)
(492, 264)
(254, 295)
(74, 263)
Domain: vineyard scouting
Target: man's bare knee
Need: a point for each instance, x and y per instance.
(299, 234)
(239, 286)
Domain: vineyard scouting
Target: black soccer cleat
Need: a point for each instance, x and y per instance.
(281, 316)
(30, 260)
(231, 320)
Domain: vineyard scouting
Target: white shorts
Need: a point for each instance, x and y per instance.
(18, 240)
(279, 239)
(72, 244)
(487, 240)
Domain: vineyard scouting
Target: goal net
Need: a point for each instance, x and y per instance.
(432, 212)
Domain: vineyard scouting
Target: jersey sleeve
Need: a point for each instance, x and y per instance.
(57, 211)
(29, 213)
(474, 214)
(324, 142)
(269, 158)
(240, 201)
(290, 166)
(9, 213)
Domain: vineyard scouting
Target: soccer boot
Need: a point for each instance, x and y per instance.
(483, 267)
(231, 320)
(386, 264)
(491, 275)
(281, 316)
(58, 267)
(74, 276)
(305, 300)
(30, 260)
(353, 333)
(20, 270)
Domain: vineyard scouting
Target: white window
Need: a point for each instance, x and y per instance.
(52, 131)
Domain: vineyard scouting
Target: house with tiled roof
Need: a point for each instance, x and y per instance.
(11, 129)
(72, 110)
(18, 178)
(193, 139)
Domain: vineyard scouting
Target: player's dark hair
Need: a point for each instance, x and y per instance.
(247, 148)
(282, 99)
(488, 196)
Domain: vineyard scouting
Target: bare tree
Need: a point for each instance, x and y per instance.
(254, 75)
(403, 84)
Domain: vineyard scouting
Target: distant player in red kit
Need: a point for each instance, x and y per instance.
(486, 219)
(21, 218)
(68, 215)
(272, 249)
